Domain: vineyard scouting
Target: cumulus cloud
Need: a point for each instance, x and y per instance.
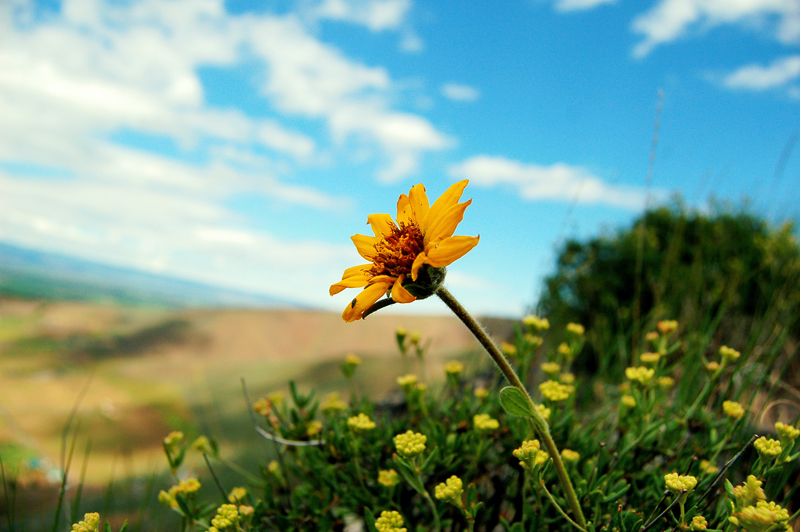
(566, 6)
(376, 15)
(460, 93)
(558, 181)
(669, 20)
(759, 78)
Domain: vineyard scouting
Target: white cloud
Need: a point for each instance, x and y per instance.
(758, 78)
(555, 182)
(672, 19)
(376, 15)
(460, 93)
(579, 5)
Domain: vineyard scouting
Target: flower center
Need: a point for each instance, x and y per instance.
(396, 252)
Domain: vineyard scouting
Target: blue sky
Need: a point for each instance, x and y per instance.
(242, 143)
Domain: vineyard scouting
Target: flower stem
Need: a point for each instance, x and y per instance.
(538, 421)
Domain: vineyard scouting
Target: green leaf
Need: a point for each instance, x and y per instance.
(409, 475)
(124, 526)
(369, 520)
(515, 403)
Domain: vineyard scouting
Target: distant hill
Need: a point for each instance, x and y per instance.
(30, 274)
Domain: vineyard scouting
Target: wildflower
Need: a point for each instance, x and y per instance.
(481, 392)
(677, 483)
(767, 447)
(485, 423)
(786, 433)
(227, 516)
(263, 407)
(576, 329)
(712, 366)
(667, 326)
(699, 523)
(237, 494)
(728, 355)
(564, 349)
(533, 340)
(89, 523)
(666, 382)
(530, 455)
(418, 247)
(388, 478)
(352, 360)
(555, 391)
(173, 438)
(273, 467)
(641, 374)
(390, 521)
(360, 423)
(749, 493)
(421, 387)
(407, 382)
(454, 367)
(276, 398)
(410, 444)
(416, 337)
(652, 336)
(708, 467)
(450, 491)
(509, 350)
(628, 400)
(186, 487)
(245, 510)
(332, 403)
(570, 456)
(543, 411)
(313, 427)
(761, 517)
(536, 323)
(551, 369)
(733, 409)
(203, 445)
(649, 358)
(567, 378)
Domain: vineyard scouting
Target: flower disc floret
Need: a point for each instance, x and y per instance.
(360, 423)
(677, 483)
(485, 423)
(733, 409)
(555, 391)
(641, 374)
(450, 491)
(767, 447)
(421, 235)
(390, 522)
(410, 444)
(88, 524)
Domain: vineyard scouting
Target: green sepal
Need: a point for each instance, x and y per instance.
(429, 279)
(515, 403)
(729, 488)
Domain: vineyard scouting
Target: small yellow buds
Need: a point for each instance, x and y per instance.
(677, 483)
(707, 467)
(530, 455)
(564, 349)
(666, 326)
(237, 495)
(263, 407)
(313, 428)
(728, 355)
(763, 516)
(351, 362)
(749, 493)
(551, 369)
(652, 336)
(407, 382)
(388, 477)
(641, 374)
(410, 444)
(570, 456)
(567, 378)
(767, 447)
(276, 398)
(227, 516)
(454, 368)
(532, 340)
(543, 411)
(786, 433)
(390, 522)
(536, 323)
(189, 486)
(576, 329)
(332, 403)
(509, 350)
(203, 445)
(699, 523)
(273, 468)
(360, 423)
(173, 438)
(89, 523)
(481, 392)
(713, 366)
(555, 391)
(733, 409)
(484, 423)
(628, 400)
(649, 358)
(666, 383)
(450, 492)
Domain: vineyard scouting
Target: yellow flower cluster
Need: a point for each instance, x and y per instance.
(450, 491)
(313, 428)
(332, 403)
(677, 483)
(628, 400)
(481, 392)
(352, 360)
(786, 433)
(360, 423)
(227, 516)
(728, 354)
(237, 494)
(536, 323)
(699, 523)
(667, 326)
(567, 378)
(509, 350)
(666, 382)
(173, 438)
(410, 444)
(532, 340)
(484, 422)
(530, 455)
(89, 523)
(761, 517)
(551, 369)
(390, 522)
(203, 444)
(186, 487)
(649, 358)
(570, 456)
(543, 411)
(454, 367)
(263, 407)
(407, 382)
(749, 493)
(641, 374)
(575, 328)
(767, 447)
(708, 467)
(733, 409)
(555, 391)
(276, 398)
(388, 477)
(564, 349)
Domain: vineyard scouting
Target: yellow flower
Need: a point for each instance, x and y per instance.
(352, 359)
(699, 523)
(89, 523)
(481, 392)
(423, 235)
(530, 455)
(567, 378)
(649, 358)
(173, 438)
(667, 326)
(509, 350)
(360, 423)
(749, 493)
(729, 354)
(407, 382)
(576, 328)
(410, 444)
(454, 367)
(555, 391)
(536, 323)
(313, 427)
(551, 368)
(543, 411)
(332, 403)
(237, 494)
(677, 483)
(570, 456)
(767, 447)
(388, 478)
(485, 423)
(708, 467)
(733, 409)
(263, 407)
(564, 349)
(641, 374)
(761, 517)
(390, 522)
(786, 433)
(628, 400)
(666, 382)
(652, 336)
(450, 491)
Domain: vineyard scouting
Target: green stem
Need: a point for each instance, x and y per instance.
(538, 421)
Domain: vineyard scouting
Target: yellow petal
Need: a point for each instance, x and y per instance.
(382, 224)
(449, 250)
(352, 278)
(419, 260)
(445, 225)
(364, 300)
(400, 294)
(445, 201)
(418, 200)
(405, 214)
(365, 245)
